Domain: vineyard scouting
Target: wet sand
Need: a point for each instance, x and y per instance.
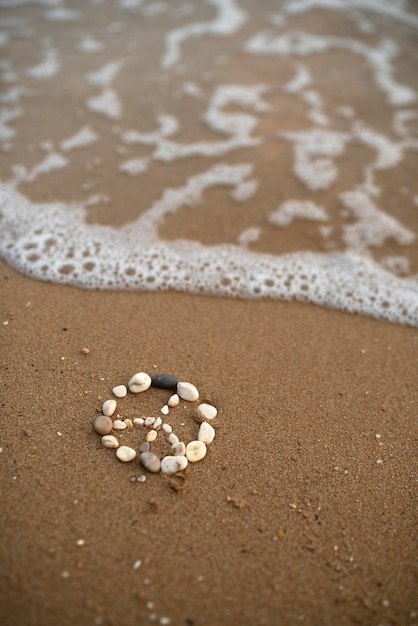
(289, 519)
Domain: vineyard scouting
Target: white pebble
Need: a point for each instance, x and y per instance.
(195, 451)
(149, 421)
(173, 464)
(150, 461)
(187, 391)
(157, 422)
(109, 441)
(206, 433)
(119, 391)
(109, 407)
(139, 421)
(125, 454)
(167, 428)
(179, 449)
(137, 564)
(165, 410)
(128, 422)
(152, 435)
(172, 438)
(207, 411)
(144, 447)
(173, 400)
(119, 425)
(139, 382)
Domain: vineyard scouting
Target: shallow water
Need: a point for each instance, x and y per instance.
(219, 146)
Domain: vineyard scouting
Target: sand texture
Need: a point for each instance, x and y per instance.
(289, 519)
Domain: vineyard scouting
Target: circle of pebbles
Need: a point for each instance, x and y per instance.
(182, 453)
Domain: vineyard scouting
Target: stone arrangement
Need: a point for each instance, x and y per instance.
(181, 453)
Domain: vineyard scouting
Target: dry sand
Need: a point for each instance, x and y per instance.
(289, 519)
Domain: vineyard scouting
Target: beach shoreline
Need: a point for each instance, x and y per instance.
(302, 511)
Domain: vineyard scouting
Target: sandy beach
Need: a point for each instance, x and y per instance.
(302, 510)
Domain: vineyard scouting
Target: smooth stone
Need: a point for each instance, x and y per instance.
(109, 407)
(103, 425)
(179, 449)
(128, 422)
(195, 451)
(119, 391)
(109, 441)
(207, 411)
(139, 382)
(173, 464)
(187, 391)
(139, 421)
(144, 447)
(149, 421)
(165, 410)
(150, 461)
(119, 425)
(164, 381)
(172, 438)
(152, 435)
(125, 454)
(167, 428)
(206, 433)
(173, 400)
(157, 422)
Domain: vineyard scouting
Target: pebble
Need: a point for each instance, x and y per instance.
(164, 381)
(144, 447)
(207, 411)
(179, 449)
(206, 433)
(109, 441)
(173, 464)
(103, 425)
(125, 454)
(139, 421)
(128, 422)
(173, 400)
(120, 391)
(119, 425)
(165, 410)
(150, 461)
(157, 422)
(167, 428)
(109, 407)
(139, 382)
(172, 438)
(152, 435)
(187, 391)
(149, 421)
(195, 451)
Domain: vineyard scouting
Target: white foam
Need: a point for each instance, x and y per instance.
(133, 167)
(84, 137)
(106, 258)
(372, 226)
(13, 95)
(313, 150)
(48, 67)
(249, 235)
(301, 79)
(238, 125)
(297, 209)
(6, 116)
(89, 44)
(379, 58)
(107, 103)
(104, 76)
(245, 190)
(228, 20)
(62, 14)
(53, 161)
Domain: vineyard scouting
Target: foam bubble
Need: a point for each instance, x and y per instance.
(229, 19)
(48, 67)
(107, 103)
(297, 209)
(104, 76)
(84, 137)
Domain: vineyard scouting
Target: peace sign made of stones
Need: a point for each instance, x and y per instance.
(182, 453)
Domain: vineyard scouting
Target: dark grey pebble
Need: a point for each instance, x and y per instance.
(164, 381)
